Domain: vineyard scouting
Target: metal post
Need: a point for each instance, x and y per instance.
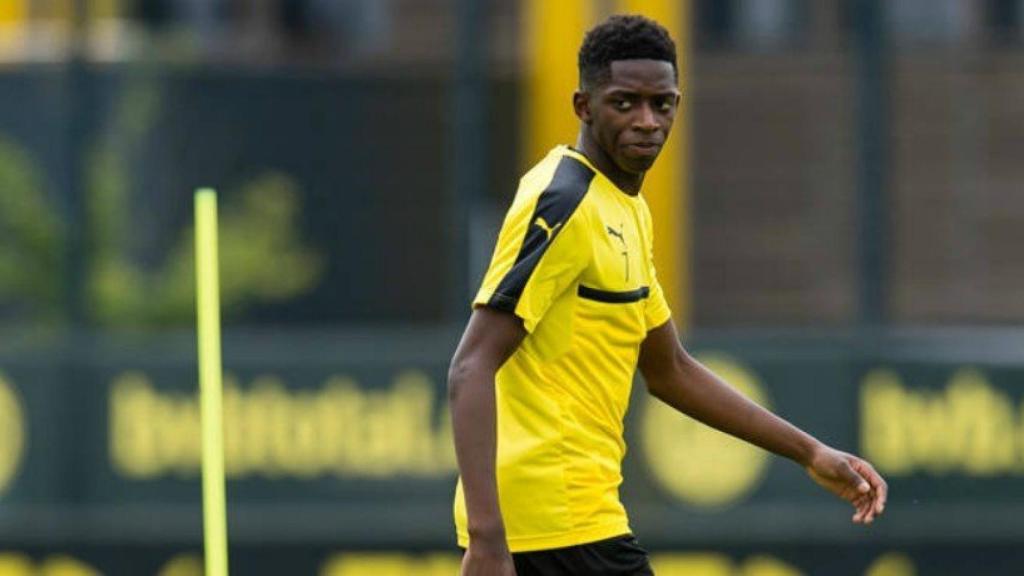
(77, 228)
(79, 342)
(470, 146)
(873, 124)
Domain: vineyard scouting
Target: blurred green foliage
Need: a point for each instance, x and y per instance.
(262, 258)
(30, 239)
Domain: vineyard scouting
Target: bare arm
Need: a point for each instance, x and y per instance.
(676, 378)
(489, 340)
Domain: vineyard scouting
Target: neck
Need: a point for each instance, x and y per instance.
(628, 183)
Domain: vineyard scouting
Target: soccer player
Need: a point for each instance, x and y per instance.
(568, 310)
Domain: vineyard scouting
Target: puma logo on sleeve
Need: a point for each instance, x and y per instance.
(543, 225)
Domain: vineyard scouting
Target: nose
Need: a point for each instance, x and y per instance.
(645, 119)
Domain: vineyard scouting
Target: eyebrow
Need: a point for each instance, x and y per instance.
(629, 92)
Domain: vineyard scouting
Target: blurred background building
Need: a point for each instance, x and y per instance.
(842, 227)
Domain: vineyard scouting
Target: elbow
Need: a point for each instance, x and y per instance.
(456, 376)
(460, 372)
(682, 361)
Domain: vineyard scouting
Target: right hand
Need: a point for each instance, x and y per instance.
(487, 558)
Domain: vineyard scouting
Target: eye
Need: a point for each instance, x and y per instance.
(622, 104)
(664, 104)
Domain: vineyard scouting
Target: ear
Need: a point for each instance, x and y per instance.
(581, 105)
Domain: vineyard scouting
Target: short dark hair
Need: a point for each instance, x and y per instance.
(622, 37)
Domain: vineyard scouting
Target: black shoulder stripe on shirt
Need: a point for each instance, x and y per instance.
(554, 207)
(613, 297)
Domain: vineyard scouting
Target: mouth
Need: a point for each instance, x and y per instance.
(644, 148)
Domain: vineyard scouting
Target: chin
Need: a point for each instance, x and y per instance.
(636, 166)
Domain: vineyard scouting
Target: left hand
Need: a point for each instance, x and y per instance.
(852, 479)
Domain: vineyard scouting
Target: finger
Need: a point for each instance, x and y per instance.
(878, 502)
(871, 507)
(867, 471)
(863, 516)
(869, 513)
(878, 484)
(858, 517)
(881, 495)
(864, 509)
(858, 500)
(852, 478)
(860, 509)
(862, 502)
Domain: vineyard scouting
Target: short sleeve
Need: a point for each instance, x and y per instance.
(543, 247)
(656, 310)
(548, 261)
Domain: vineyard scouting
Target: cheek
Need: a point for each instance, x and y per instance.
(611, 130)
(611, 135)
(599, 130)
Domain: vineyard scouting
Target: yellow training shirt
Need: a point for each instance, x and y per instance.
(574, 261)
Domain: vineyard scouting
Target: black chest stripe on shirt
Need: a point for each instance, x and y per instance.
(613, 297)
(554, 207)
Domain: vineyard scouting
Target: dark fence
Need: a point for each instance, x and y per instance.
(341, 442)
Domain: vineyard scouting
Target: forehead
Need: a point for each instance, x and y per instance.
(654, 76)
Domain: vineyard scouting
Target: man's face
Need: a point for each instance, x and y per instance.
(631, 114)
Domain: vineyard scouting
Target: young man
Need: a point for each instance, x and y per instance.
(568, 310)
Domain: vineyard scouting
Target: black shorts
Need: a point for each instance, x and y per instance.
(619, 556)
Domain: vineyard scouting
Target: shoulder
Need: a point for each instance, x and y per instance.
(555, 188)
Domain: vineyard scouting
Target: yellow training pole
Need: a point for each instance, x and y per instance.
(552, 32)
(215, 530)
(13, 12)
